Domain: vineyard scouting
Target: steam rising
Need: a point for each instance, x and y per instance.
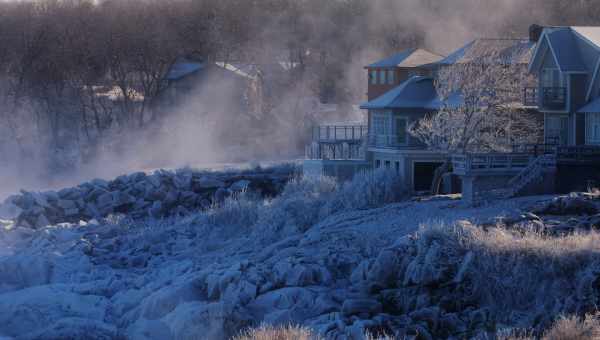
(192, 135)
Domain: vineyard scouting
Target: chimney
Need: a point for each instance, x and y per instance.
(535, 32)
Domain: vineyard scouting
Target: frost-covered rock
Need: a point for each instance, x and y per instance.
(35, 309)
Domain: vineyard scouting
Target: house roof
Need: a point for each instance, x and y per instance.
(416, 92)
(593, 106)
(509, 51)
(183, 68)
(590, 33)
(567, 54)
(413, 57)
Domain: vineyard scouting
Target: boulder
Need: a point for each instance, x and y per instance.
(360, 306)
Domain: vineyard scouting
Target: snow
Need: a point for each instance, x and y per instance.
(200, 276)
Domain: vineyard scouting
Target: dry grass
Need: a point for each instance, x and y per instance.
(570, 328)
(519, 271)
(566, 328)
(278, 333)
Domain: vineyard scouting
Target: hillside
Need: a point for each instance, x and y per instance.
(340, 259)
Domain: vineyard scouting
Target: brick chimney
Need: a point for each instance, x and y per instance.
(535, 32)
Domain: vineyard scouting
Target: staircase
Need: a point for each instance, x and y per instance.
(533, 173)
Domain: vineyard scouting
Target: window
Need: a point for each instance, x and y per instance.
(388, 164)
(552, 77)
(380, 126)
(377, 163)
(382, 77)
(400, 126)
(391, 77)
(373, 77)
(557, 130)
(397, 167)
(592, 132)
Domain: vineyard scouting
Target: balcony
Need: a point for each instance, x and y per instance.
(339, 133)
(553, 98)
(387, 141)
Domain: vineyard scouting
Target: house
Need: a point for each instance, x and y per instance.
(566, 62)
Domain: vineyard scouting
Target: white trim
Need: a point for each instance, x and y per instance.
(553, 54)
(535, 53)
(589, 92)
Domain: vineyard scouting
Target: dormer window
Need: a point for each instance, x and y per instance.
(373, 77)
(391, 77)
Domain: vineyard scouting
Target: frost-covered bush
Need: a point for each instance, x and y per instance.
(369, 189)
(300, 205)
(510, 270)
(240, 211)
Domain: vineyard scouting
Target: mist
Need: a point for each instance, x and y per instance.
(55, 131)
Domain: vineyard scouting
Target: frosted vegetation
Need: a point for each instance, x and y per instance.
(338, 260)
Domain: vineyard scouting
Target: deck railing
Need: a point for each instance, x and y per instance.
(387, 141)
(553, 98)
(521, 157)
(335, 133)
(464, 164)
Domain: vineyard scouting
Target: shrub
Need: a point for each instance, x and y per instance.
(568, 328)
(518, 270)
(278, 333)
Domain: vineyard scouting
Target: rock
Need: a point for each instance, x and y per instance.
(42, 221)
(37, 308)
(429, 315)
(74, 328)
(384, 269)
(18, 272)
(358, 306)
(9, 210)
(66, 204)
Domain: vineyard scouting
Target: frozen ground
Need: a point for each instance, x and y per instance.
(209, 274)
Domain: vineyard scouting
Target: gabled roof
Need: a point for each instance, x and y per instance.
(507, 51)
(413, 57)
(561, 42)
(565, 50)
(415, 93)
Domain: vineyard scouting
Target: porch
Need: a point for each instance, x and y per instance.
(527, 169)
(337, 142)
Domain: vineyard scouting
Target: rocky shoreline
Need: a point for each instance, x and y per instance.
(139, 195)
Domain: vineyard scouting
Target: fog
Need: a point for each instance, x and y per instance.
(51, 137)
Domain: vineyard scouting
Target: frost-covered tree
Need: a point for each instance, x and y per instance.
(482, 108)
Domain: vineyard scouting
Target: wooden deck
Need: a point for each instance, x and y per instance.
(337, 142)
(521, 157)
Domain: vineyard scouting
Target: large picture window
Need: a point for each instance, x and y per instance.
(380, 126)
(592, 133)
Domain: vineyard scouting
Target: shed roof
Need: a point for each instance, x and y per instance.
(413, 57)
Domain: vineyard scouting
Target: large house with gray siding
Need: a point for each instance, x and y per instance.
(565, 97)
